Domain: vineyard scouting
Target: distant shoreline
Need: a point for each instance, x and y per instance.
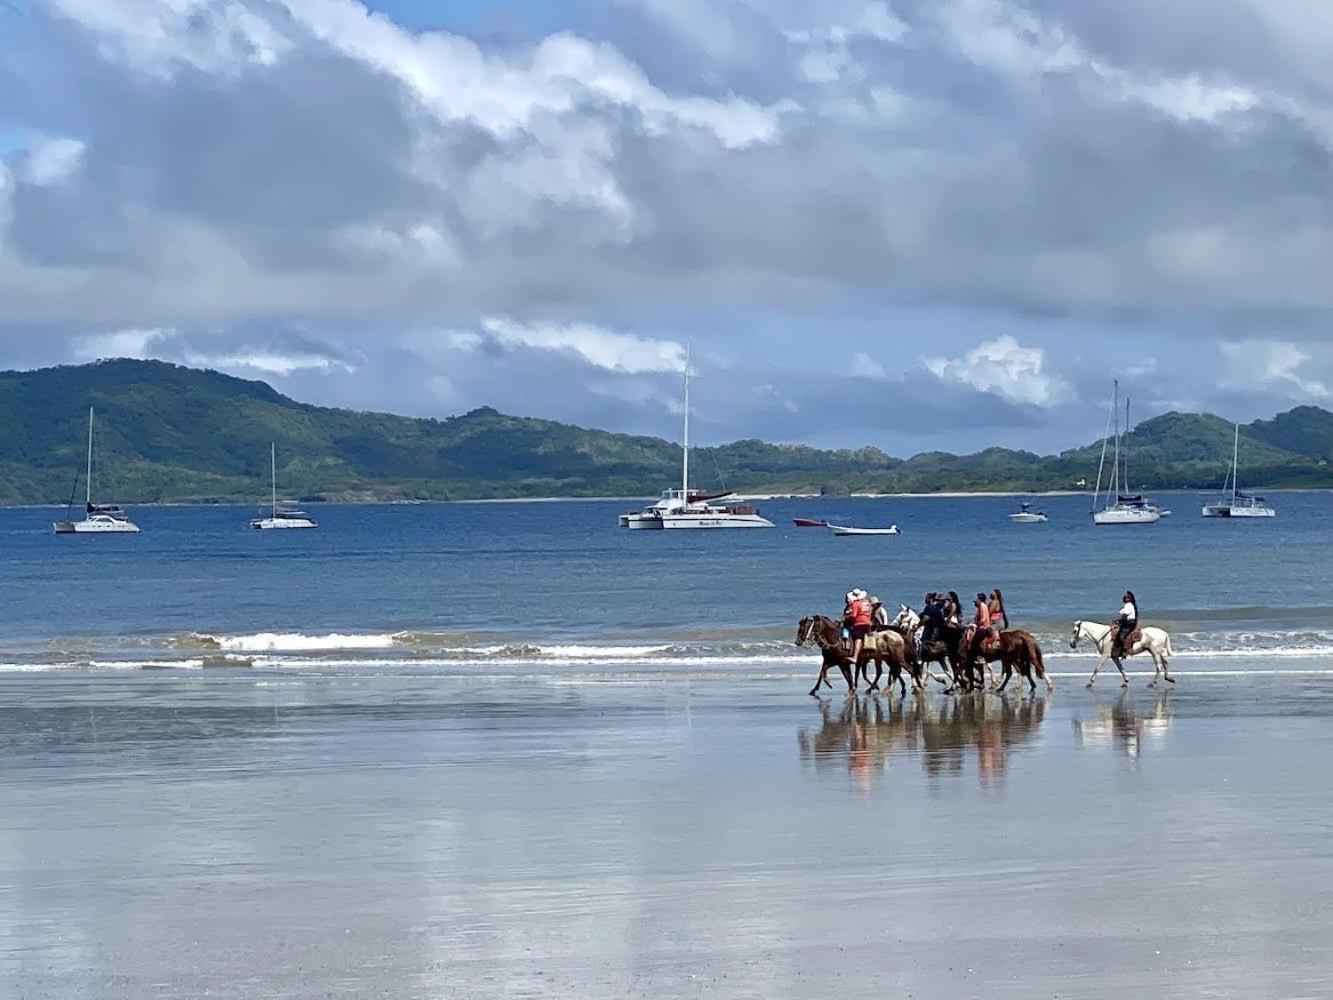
(738, 497)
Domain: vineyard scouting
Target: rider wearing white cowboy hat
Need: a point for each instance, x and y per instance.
(857, 616)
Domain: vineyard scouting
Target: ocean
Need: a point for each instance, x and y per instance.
(528, 587)
(511, 750)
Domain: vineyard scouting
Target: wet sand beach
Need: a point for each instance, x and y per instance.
(363, 834)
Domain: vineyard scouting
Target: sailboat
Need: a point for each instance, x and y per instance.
(1119, 509)
(281, 516)
(687, 509)
(99, 519)
(1238, 504)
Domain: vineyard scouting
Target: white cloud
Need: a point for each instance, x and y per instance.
(607, 349)
(269, 362)
(1268, 364)
(156, 35)
(1014, 42)
(456, 81)
(1005, 368)
(867, 367)
(129, 343)
(53, 161)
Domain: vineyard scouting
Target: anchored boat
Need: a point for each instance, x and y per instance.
(99, 519)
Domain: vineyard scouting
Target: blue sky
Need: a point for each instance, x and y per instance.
(917, 224)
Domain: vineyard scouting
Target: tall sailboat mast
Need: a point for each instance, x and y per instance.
(1128, 488)
(685, 466)
(1115, 464)
(1235, 464)
(273, 464)
(88, 502)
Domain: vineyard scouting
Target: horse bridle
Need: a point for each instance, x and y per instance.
(810, 632)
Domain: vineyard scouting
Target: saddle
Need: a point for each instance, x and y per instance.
(1131, 640)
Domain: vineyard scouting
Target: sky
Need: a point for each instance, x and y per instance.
(918, 224)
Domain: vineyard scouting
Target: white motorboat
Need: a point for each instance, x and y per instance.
(282, 516)
(1124, 509)
(1238, 504)
(685, 509)
(99, 519)
(1026, 515)
(842, 531)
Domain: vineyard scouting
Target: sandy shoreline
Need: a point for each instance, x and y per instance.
(315, 836)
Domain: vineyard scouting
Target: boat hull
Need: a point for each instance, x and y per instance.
(843, 532)
(1227, 511)
(92, 527)
(1027, 518)
(804, 522)
(282, 523)
(713, 522)
(1127, 515)
(641, 522)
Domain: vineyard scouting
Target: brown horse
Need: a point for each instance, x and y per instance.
(879, 646)
(1016, 648)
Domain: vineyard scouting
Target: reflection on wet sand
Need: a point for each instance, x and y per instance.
(864, 734)
(1126, 727)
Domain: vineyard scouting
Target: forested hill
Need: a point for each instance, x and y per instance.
(168, 433)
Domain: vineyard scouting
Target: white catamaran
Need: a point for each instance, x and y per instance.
(684, 508)
(1119, 509)
(1238, 504)
(281, 516)
(99, 519)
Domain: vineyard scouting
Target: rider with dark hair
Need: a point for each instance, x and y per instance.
(981, 625)
(932, 617)
(999, 617)
(1125, 623)
(953, 608)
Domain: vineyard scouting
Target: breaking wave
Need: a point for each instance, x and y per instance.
(752, 649)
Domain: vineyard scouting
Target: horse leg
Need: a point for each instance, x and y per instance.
(1093, 679)
(1157, 669)
(1008, 672)
(1124, 677)
(1166, 670)
(821, 679)
(879, 672)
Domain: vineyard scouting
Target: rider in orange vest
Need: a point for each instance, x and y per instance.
(858, 615)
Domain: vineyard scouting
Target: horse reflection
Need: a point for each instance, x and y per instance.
(1126, 727)
(863, 735)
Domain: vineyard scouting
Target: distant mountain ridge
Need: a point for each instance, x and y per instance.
(167, 433)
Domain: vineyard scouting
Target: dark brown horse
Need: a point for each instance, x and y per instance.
(1016, 648)
(881, 647)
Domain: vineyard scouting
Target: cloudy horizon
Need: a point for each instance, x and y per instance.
(918, 224)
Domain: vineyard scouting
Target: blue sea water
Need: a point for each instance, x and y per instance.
(559, 581)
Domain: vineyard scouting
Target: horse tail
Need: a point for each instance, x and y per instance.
(1035, 662)
(1169, 650)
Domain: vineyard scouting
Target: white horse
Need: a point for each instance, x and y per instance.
(1154, 641)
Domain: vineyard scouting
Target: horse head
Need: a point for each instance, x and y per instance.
(1078, 634)
(906, 618)
(803, 629)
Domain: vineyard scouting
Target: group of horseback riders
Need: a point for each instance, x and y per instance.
(865, 613)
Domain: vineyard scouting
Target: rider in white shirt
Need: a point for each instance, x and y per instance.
(1126, 622)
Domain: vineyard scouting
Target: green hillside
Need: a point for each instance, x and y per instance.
(168, 433)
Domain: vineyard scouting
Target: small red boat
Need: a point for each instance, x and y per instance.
(805, 522)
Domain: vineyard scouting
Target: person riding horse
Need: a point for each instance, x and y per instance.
(1125, 624)
(857, 617)
(981, 627)
(932, 617)
(879, 615)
